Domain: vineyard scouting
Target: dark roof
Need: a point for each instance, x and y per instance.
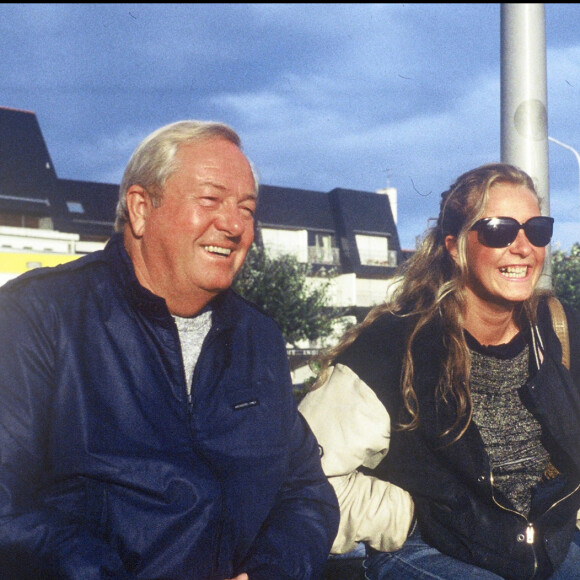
(29, 185)
(27, 177)
(359, 211)
(86, 207)
(294, 208)
(364, 212)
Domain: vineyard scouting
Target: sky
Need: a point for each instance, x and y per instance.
(323, 96)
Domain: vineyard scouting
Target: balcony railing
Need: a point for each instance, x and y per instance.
(319, 255)
(378, 259)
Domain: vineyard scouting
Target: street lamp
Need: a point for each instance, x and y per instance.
(576, 154)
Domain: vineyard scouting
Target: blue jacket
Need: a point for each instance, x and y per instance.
(108, 471)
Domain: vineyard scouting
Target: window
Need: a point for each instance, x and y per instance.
(75, 207)
(373, 250)
(323, 250)
(286, 242)
(19, 220)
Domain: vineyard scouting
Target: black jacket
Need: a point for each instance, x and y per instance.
(450, 484)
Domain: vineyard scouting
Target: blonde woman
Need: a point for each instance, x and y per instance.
(448, 425)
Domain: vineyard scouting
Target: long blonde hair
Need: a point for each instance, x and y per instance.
(431, 285)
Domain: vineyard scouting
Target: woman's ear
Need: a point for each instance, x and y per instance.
(451, 246)
(138, 207)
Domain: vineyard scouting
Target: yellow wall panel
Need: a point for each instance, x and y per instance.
(19, 262)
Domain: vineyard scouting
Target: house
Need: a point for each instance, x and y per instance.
(46, 220)
(353, 232)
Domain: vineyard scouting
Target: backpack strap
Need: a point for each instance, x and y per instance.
(560, 325)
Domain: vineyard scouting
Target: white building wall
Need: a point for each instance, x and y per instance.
(342, 289)
(371, 292)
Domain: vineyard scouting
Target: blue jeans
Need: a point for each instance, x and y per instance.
(416, 560)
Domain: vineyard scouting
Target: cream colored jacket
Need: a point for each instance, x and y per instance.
(353, 429)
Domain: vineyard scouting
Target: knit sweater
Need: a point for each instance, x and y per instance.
(510, 433)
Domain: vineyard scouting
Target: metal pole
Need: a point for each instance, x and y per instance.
(524, 117)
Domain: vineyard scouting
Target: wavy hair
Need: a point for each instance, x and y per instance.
(431, 285)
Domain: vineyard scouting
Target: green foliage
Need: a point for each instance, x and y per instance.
(566, 275)
(281, 289)
(300, 391)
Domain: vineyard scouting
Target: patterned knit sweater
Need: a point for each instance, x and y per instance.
(509, 431)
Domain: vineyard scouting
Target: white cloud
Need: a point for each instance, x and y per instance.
(323, 95)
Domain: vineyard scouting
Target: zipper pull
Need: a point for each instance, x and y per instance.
(530, 534)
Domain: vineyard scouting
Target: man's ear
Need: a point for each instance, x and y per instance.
(451, 245)
(138, 206)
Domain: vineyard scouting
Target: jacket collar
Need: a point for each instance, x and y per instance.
(148, 303)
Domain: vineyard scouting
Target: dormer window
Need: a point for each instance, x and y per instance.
(373, 250)
(75, 207)
(281, 242)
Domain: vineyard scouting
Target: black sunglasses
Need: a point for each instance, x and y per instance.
(500, 232)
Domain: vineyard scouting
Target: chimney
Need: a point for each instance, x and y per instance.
(391, 192)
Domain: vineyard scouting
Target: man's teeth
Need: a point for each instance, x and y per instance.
(514, 271)
(218, 250)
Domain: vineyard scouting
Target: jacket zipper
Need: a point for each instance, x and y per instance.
(563, 498)
(530, 532)
(219, 532)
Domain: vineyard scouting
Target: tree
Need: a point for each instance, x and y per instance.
(281, 288)
(566, 275)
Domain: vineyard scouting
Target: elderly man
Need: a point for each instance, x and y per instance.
(147, 424)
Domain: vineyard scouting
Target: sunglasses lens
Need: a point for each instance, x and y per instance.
(539, 230)
(498, 232)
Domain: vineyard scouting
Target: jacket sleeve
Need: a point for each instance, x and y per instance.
(35, 540)
(353, 429)
(573, 322)
(295, 540)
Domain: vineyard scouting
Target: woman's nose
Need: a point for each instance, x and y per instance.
(521, 245)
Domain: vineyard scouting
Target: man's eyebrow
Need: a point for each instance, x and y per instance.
(212, 183)
(223, 187)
